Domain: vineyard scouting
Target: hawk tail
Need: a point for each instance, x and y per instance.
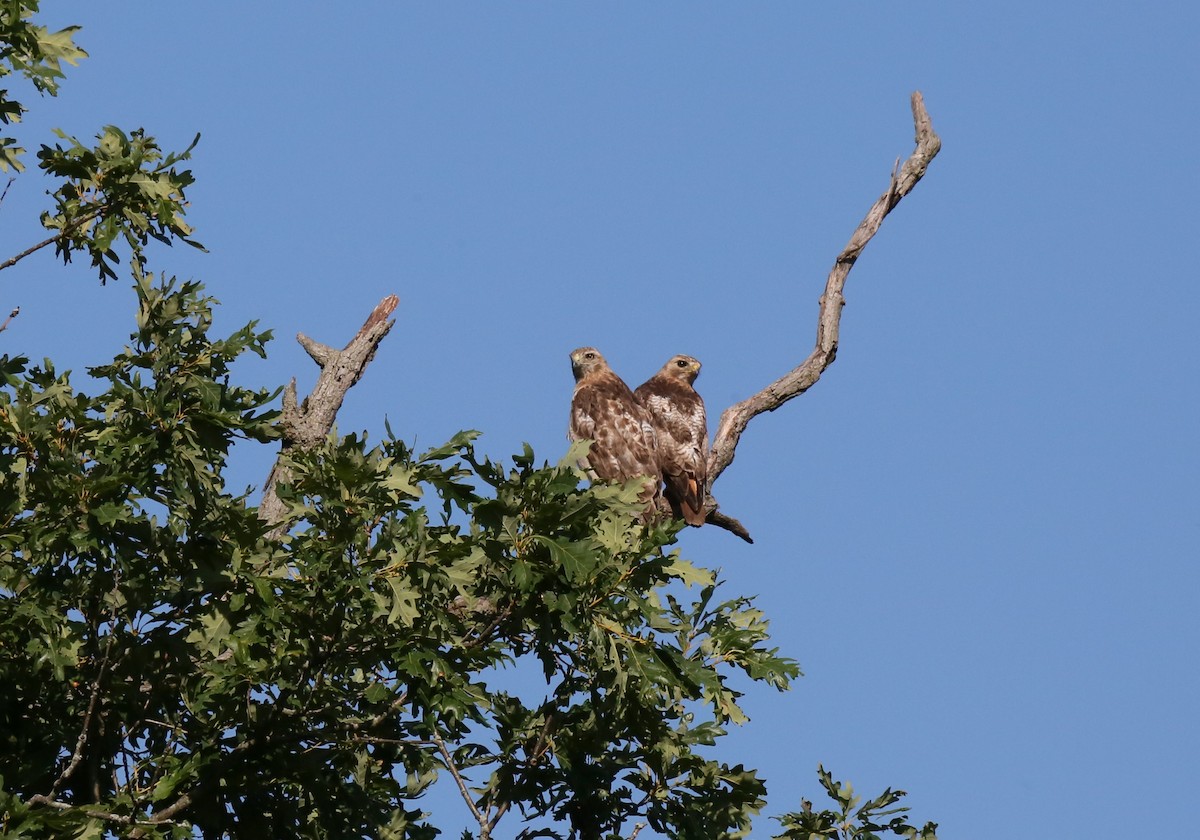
(686, 497)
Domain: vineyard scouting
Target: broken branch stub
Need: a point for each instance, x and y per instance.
(307, 423)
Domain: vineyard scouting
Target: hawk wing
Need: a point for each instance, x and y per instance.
(604, 411)
(681, 430)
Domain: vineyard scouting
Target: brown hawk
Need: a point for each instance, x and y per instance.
(604, 411)
(681, 433)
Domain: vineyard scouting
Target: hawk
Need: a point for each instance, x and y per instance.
(681, 432)
(604, 411)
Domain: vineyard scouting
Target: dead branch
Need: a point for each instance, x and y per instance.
(735, 418)
(721, 520)
(16, 311)
(305, 424)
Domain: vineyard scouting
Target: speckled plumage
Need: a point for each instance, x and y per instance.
(681, 433)
(604, 411)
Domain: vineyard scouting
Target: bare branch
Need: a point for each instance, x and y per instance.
(69, 229)
(164, 816)
(735, 418)
(501, 810)
(97, 813)
(484, 826)
(81, 741)
(320, 353)
(306, 424)
(16, 311)
(721, 520)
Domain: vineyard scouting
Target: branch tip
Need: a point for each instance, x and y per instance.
(382, 311)
(320, 353)
(16, 311)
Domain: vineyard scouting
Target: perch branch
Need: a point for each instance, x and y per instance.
(722, 520)
(305, 424)
(735, 418)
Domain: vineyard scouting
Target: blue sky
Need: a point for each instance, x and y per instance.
(978, 533)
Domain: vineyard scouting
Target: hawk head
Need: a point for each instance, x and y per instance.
(685, 368)
(586, 360)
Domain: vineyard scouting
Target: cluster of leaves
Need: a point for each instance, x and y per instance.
(36, 53)
(853, 819)
(170, 667)
(124, 186)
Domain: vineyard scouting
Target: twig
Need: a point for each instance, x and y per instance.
(68, 229)
(484, 826)
(735, 418)
(4, 194)
(81, 741)
(99, 814)
(16, 311)
(501, 810)
(306, 424)
(637, 829)
(484, 634)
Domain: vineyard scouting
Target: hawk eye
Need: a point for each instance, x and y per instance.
(681, 363)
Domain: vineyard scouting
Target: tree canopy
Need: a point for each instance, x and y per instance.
(176, 664)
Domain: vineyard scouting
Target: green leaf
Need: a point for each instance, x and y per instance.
(212, 634)
(403, 602)
(690, 574)
(577, 559)
(399, 478)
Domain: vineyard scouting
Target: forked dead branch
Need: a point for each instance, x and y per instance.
(307, 423)
(795, 382)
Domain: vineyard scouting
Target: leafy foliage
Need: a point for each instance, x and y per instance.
(174, 666)
(35, 53)
(853, 819)
(122, 187)
(170, 664)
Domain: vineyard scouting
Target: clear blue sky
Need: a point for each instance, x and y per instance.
(978, 533)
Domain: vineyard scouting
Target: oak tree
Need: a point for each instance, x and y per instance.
(179, 658)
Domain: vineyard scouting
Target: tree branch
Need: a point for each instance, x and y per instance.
(306, 424)
(62, 234)
(735, 418)
(484, 826)
(81, 741)
(16, 311)
(721, 520)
